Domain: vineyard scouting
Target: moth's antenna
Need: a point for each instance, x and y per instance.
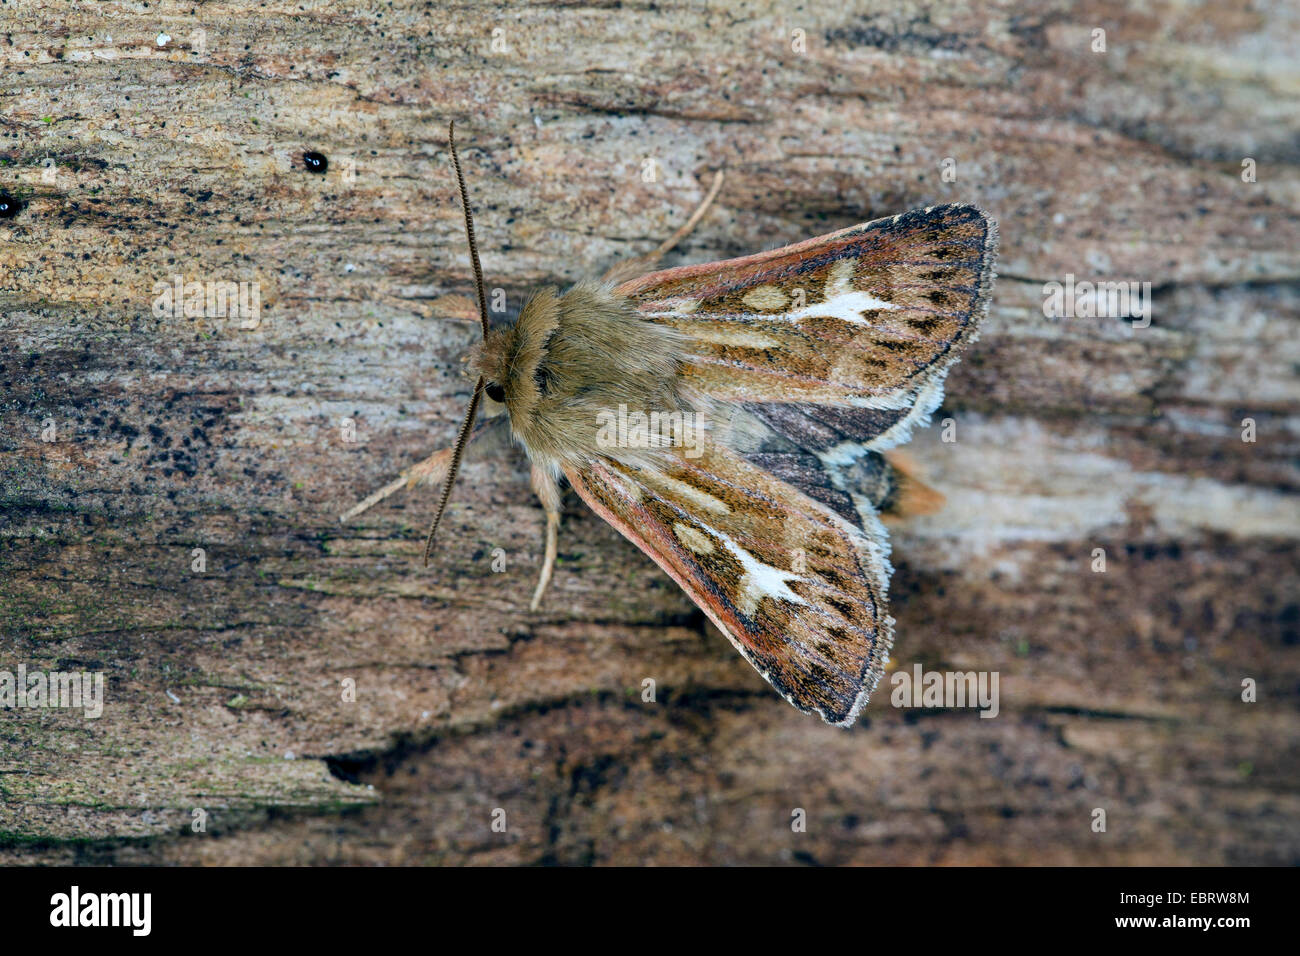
(462, 439)
(469, 228)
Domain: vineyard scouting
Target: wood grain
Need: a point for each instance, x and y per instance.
(1121, 690)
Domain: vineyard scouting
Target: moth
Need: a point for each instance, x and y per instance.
(733, 420)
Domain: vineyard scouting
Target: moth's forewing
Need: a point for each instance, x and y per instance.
(862, 317)
(797, 589)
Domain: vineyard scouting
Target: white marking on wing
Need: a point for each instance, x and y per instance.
(767, 298)
(697, 541)
(847, 306)
(845, 453)
(675, 308)
(759, 580)
(686, 492)
(742, 336)
(841, 300)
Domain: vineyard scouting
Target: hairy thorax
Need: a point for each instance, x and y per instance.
(574, 365)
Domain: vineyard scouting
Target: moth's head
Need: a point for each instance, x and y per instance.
(490, 361)
(510, 358)
(485, 361)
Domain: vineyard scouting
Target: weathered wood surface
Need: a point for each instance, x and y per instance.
(1120, 690)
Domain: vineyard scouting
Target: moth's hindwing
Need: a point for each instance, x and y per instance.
(798, 590)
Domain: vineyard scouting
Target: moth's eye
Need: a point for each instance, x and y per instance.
(315, 162)
(9, 207)
(495, 392)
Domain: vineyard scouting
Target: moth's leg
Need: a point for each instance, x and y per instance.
(428, 472)
(631, 268)
(548, 492)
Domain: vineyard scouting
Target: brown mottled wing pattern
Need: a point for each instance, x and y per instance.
(865, 317)
(799, 590)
